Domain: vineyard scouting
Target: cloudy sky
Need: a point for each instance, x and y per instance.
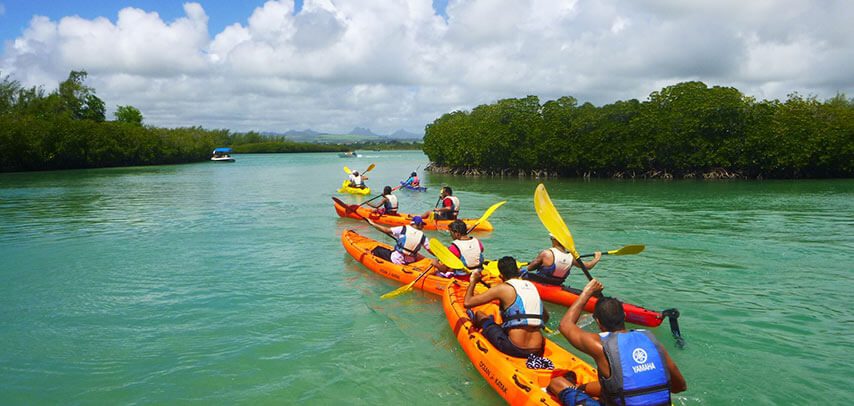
(332, 65)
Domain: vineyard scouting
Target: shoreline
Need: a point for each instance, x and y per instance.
(714, 174)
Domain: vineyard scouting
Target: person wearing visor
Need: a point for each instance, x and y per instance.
(553, 265)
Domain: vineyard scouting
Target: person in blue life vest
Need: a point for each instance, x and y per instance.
(413, 180)
(633, 367)
(449, 209)
(465, 247)
(410, 239)
(388, 205)
(553, 264)
(522, 312)
(357, 181)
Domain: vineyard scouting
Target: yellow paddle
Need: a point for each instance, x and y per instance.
(554, 223)
(346, 169)
(626, 250)
(406, 288)
(486, 215)
(448, 258)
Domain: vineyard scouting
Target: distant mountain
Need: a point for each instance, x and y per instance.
(405, 135)
(365, 132)
(304, 133)
(358, 134)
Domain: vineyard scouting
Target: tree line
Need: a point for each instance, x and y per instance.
(67, 129)
(685, 130)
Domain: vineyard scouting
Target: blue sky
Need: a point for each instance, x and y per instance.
(273, 65)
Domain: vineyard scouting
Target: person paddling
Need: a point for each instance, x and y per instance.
(465, 247)
(413, 180)
(357, 181)
(450, 206)
(522, 312)
(554, 264)
(633, 367)
(388, 205)
(410, 239)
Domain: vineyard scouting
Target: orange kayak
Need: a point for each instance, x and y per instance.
(509, 376)
(358, 212)
(360, 248)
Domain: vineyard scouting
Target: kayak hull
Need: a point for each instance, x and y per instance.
(360, 248)
(566, 296)
(415, 188)
(353, 190)
(509, 376)
(358, 213)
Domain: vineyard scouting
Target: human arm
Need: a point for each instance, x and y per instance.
(589, 264)
(537, 262)
(584, 341)
(472, 300)
(677, 381)
(378, 205)
(381, 227)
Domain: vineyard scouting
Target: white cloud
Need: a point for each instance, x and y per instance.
(392, 65)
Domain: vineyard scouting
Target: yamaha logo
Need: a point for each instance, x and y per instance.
(639, 355)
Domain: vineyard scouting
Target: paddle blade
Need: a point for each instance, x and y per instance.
(399, 291)
(346, 169)
(369, 168)
(445, 255)
(552, 220)
(628, 250)
(486, 215)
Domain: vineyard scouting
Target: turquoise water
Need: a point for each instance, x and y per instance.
(227, 283)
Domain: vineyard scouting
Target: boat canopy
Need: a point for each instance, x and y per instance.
(222, 150)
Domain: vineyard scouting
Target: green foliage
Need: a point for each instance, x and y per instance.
(128, 114)
(66, 129)
(681, 129)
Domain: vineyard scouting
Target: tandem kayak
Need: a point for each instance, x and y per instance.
(509, 376)
(415, 188)
(566, 296)
(353, 190)
(360, 248)
(360, 212)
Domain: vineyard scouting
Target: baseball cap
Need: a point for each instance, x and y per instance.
(417, 220)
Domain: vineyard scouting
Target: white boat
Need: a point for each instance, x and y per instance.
(222, 155)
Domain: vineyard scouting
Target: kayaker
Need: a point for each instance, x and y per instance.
(409, 238)
(413, 180)
(465, 247)
(522, 312)
(388, 205)
(450, 206)
(553, 264)
(654, 375)
(357, 181)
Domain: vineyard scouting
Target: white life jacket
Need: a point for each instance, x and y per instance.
(563, 261)
(357, 180)
(456, 205)
(391, 205)
(527, 309)
(470, 253)
(411, 240)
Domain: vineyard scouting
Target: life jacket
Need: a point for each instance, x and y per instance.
(391, 203)
(357, 180)
(639, 373)
(415, 181)
(527, 309)
(410, 241)
(455, 205)
(470, 253)
(560, 267)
